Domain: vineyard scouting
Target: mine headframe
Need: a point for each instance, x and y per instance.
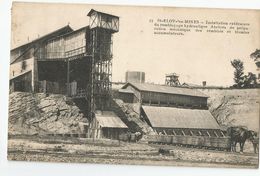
(172, 79)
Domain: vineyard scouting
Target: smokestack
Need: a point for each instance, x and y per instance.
(204, 83)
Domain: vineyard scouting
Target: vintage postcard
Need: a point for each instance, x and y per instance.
(134, 85)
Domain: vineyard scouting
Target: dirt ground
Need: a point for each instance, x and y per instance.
(115, 152)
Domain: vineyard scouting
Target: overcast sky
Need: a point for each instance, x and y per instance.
(195, 57)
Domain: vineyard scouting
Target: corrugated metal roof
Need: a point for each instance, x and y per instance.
(166, 89)
(110, 119)
(169, 117)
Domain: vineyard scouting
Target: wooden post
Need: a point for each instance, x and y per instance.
(200, 133)
(191, 133)
(44, 86)
(68, 77)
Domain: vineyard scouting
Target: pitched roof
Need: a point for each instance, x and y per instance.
(92, 11)
(27, 46)
(168, 117)
(110, 119)
(59, 31)
(166, 89)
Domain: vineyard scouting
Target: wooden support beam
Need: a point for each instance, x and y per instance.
(222, 134)
(174, 133)
(216, 134)
(200, 133)
(164, 132)
(208, 134)
(183, 133)
(191, 133)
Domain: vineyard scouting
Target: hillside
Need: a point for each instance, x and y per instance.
(235, 106)
(37, 113)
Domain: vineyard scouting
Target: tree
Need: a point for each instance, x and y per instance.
(250, 80)
(241, 80)
(255, 55)
(238, 73)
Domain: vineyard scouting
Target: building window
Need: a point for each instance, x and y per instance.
(24, 65)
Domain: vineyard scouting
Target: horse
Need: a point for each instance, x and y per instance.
(255, 141)
(134, 137)
(238, 135)
(130, 136)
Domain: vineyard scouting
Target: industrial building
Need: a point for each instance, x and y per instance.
(107, 124)
(162, 95)
(76, 63)
(172, 110)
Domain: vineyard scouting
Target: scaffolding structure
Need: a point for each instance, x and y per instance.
(102, 26)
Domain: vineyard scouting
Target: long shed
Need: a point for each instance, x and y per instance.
(181, 121)
(162, 95)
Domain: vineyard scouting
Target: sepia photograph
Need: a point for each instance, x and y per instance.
(134, 85)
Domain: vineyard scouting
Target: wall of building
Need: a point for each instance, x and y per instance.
(136, 93)
(75, 43)
(64, 46)
(173, 99)
(112, 133)
(22, 83)
(162, 99)
(21, 67)
(126, 97)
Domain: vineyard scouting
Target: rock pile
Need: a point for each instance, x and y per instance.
(37, 113)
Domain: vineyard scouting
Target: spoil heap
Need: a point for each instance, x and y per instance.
(40, 114)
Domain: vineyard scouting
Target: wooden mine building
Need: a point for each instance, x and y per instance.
(77, 63)
(172, 110)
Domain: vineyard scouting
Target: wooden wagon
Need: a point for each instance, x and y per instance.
(222, 143)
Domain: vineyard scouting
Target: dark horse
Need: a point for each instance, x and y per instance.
(131, 136)
(134, 137)
(238, 135)
(255, 141)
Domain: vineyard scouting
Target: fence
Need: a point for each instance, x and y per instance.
(60, 88)
(50, 87)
